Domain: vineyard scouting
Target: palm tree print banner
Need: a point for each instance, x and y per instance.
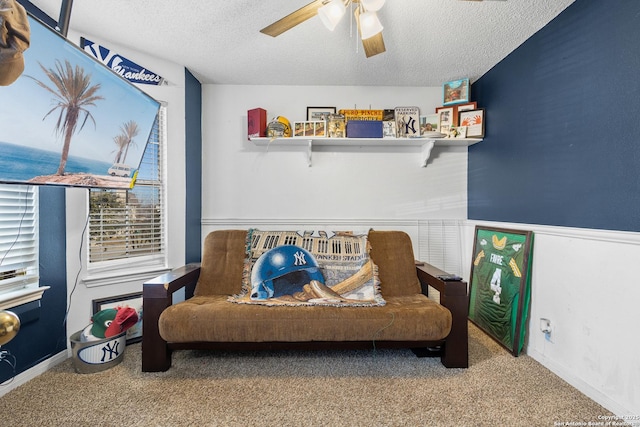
(69, 120)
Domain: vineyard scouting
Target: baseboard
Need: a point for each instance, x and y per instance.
(32, 373)
(578, 384)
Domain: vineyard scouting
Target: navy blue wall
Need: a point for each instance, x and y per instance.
(562, 143)
(193, 155)
(42, 332)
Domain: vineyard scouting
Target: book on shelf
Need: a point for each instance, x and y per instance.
(256, 123)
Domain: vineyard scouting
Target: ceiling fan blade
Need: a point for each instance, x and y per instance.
(293, 19)
(373, 45)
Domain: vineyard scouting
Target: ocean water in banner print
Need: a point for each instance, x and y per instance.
(21, 163)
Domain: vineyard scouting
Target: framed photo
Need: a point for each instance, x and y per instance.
(429, 123)
(320, 129)
(389, 129)
(447, 118)
(457, 109)
(456, 92)
(133, 300)
(457, 132)
(467, 106)
(336, 126)
(316, 129)
(319, 113)
(474, 121)
(500, 286)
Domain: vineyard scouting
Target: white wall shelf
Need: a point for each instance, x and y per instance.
(427, 144)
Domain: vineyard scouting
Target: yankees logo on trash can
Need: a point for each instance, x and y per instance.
(102, 352)
(95, 356)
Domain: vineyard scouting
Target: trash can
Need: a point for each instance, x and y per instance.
(95, 356)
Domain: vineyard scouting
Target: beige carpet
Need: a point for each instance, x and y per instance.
(342, 388)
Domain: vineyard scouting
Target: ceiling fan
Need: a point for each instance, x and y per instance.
(330, 12)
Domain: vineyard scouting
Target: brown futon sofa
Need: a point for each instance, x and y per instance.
(206, 320)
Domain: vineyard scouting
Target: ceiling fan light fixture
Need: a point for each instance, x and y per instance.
(331, 13)
(369, 25)
(372, 5)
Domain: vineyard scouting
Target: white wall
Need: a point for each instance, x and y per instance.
(130, 278)
(593, 345)
(244, 182)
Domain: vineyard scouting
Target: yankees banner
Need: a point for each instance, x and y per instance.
(121, 65)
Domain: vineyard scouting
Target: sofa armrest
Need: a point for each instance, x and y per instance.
(157, 295)
(453, 295)
(172, 281)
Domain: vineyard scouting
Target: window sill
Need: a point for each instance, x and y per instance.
(21, 296)
(115, 274)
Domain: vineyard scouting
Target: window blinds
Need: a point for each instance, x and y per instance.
(18, 236)
(130, 223)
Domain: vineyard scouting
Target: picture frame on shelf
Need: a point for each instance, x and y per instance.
(319, 113)
(133, 300)
(457, 132)
(320, 129)
(429, 123)
(336, 126)
(447, 118)
(313, 128)
(500, 285)
(457, 108)
(474, 121)
(455, 92)
(465, 107)
(389, 129)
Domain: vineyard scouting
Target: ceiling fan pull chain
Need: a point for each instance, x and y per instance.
(351, 20)
(357, 42)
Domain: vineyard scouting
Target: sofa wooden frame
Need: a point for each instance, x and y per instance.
(158, 293)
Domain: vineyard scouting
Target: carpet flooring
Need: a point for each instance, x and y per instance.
(294, 388)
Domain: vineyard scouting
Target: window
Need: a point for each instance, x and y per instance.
(18, 237)
(125, 224)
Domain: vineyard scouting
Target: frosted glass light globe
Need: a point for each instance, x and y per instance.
(331, 13)
(369, 25)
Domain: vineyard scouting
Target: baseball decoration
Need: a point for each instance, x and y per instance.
(9, 326)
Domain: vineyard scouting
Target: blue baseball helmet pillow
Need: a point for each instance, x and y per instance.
(283, 270)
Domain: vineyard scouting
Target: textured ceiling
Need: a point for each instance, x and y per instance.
(428, 42)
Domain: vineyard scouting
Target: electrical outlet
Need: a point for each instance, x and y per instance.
(545, 328)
